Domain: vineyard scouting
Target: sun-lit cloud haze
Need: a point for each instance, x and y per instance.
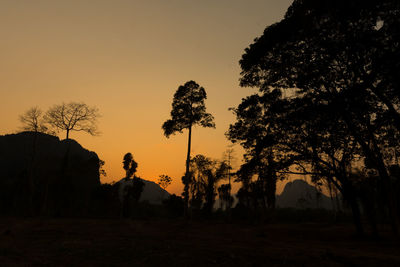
(128, 58)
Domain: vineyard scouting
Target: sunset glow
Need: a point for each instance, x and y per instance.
(128, 58)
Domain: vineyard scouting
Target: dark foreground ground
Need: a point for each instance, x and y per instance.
(90, 242)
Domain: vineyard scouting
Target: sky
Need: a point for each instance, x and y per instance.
(128, 58)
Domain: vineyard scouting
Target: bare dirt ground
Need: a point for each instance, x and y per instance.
(91, 242)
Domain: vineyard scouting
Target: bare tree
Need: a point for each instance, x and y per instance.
(32, 120)
(73, 117)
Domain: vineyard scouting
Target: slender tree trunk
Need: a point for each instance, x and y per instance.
(271, 182)
(186, 188)
(229, 182)
(67, 134)
(349, 193)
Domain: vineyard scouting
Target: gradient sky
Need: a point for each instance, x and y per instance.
(128, 58)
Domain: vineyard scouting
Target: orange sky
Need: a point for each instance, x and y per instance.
(128, 58)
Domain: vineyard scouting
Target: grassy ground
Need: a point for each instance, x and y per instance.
(90, 242)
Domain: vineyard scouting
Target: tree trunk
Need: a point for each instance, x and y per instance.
(350, 194)
(67, 134)
(271, 182)
(376, 155)
(186, 188)
(355, 208)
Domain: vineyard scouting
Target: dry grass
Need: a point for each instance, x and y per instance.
(90, 242)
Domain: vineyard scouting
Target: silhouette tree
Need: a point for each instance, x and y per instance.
(129, 188)
(164, 181)
(73, 117)
(259, 131)
(102, 171)
(129, 165)
(205, 174)
(244, 175)
(224, 193)
(229, 158)
(188, 109)
(334, 64)
(32, 120)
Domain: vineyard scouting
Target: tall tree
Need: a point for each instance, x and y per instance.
(73, 117)
(229, 159)
(188, 109)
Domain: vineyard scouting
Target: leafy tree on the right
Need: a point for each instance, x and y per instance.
(329, 91)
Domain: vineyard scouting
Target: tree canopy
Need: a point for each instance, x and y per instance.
(328, 98)
(188, 109)
(205, 174)
(129, 165)
(164, 181)
(32, 120)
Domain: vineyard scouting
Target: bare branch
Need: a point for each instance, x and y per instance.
(73, 117)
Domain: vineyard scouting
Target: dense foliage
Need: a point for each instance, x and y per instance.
(328, 101)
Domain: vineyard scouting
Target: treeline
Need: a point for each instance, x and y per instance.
(327, 106)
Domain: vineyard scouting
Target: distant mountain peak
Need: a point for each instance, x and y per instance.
(300, 194)
(152, 192)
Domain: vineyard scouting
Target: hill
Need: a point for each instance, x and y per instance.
(300, 194)
(153, 193)
(42, 174)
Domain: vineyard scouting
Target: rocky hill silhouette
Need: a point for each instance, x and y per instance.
(153, 193)
(300, 194)
(42, 174)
